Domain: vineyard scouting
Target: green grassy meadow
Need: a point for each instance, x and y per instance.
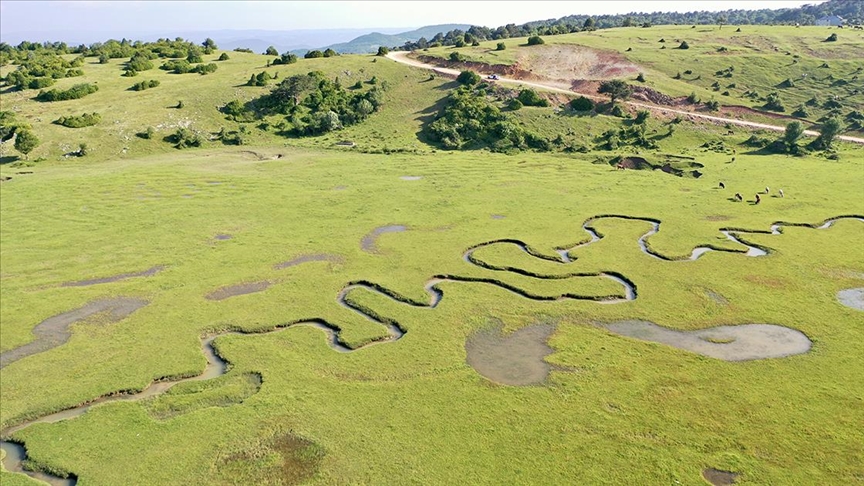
(291, 410)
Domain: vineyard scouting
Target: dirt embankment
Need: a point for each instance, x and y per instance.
(511, 71)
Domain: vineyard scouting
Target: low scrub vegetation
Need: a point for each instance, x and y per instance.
(73, 93)
(79, 121)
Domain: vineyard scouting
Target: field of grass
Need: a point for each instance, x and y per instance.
(289, 410)
(763, 57)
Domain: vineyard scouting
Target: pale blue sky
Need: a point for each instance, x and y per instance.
(138, 17)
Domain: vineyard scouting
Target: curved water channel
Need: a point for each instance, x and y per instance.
(16, 455)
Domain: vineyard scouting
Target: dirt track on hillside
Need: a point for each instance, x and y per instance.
(402, 57)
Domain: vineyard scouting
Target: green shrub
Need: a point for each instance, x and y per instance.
(181, 66)
(500, 46)
(713, 105)
(330, 53)
(642, 116)
(773, 103)
(184, 138)
(684, 45)
(203, 69)
(801, 112)
(39, 83)
(237, 111)
(75, 92)
(514, 104)
(693, 99)
(25, 141)
(640, 78)
(456, 57)
(145, 85)
(224, 56)
(382, 51)
(535, 40)
(468, 78)
(286, 58)
(831, 38)
(582, 104)
(80, 121)
(147, 134)
(271, 51)
(313, 54)
(529, 97)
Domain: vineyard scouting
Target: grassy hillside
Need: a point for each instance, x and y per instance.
(762, 59)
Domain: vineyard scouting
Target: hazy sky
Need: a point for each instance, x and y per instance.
(46, 17)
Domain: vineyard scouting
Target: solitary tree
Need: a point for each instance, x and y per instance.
(271, 51)
(330, 53)
(535, 40)
(827, 132)
(209, 44)
(382, 51)
(469, 78)
(25, 142)
(616, 89)
(721, 19)
(794, 130)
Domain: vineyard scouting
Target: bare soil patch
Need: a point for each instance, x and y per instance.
(515, 359)
(316, 257)
(743, 342)
(498, 216)
(569, 62)
(718, 477)
(239, 289)
(853, 298)
(123, 276)
(368, 243)
(222, 237)
(55, 331)
(410, 178)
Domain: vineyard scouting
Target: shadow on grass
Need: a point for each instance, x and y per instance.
(8, 159)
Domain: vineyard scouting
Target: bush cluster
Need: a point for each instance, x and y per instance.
(470, 120)
(79, 121)
(75, 92)
(145, 85)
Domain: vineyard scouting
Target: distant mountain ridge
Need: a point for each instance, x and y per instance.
(370, 42)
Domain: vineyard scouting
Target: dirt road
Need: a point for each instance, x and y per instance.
(402, 57)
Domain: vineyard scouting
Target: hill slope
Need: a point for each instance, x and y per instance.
(370, 42)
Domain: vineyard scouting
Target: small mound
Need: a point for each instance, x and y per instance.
(54, 331)
(743, 342)
(853, 298)
(516, 359)
(284, 459)
(239, 289)
(718, 477)
(368, 243)
(635, 163)
(317, 257)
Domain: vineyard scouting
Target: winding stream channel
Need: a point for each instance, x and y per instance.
(16, 454)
